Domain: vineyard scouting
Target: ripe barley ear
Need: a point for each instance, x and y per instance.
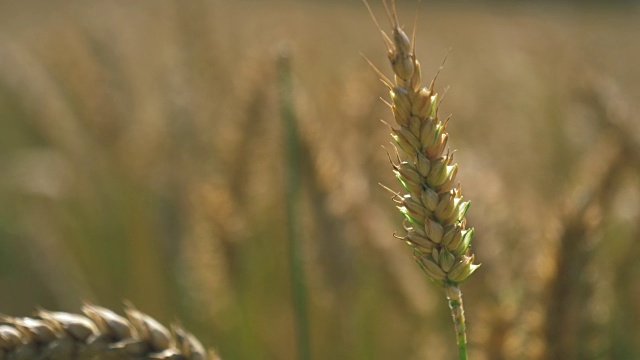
(431, 202)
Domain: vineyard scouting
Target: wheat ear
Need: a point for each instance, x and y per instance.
(432, 205)
(98, 334)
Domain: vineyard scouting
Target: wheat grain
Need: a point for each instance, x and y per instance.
(98, 334)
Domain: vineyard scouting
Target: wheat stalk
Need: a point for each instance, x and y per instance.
(432, 205)
(98, 334)
(292, 183)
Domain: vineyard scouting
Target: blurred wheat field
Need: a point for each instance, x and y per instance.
(142, 159)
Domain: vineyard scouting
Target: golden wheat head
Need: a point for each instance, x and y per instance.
(432, 205)
(98, 334)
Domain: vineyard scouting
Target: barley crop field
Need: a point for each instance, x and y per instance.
(144, 158)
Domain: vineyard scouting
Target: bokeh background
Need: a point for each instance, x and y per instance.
(143, 157)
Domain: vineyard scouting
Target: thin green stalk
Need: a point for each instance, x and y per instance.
(292, 191)
(454, 295)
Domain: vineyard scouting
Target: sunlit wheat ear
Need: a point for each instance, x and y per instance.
(432, 203)
(98, 334)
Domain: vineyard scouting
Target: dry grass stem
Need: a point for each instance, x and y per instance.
(568, 288)
(582, 216)
(613, 112)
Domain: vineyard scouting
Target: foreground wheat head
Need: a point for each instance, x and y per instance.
(98, 334)
(432, 204)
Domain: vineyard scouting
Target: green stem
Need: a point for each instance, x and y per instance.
(292, 192)
(454, 295)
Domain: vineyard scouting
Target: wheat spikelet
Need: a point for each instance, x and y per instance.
(98, 334)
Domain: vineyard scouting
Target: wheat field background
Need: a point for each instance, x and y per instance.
(141, 158)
